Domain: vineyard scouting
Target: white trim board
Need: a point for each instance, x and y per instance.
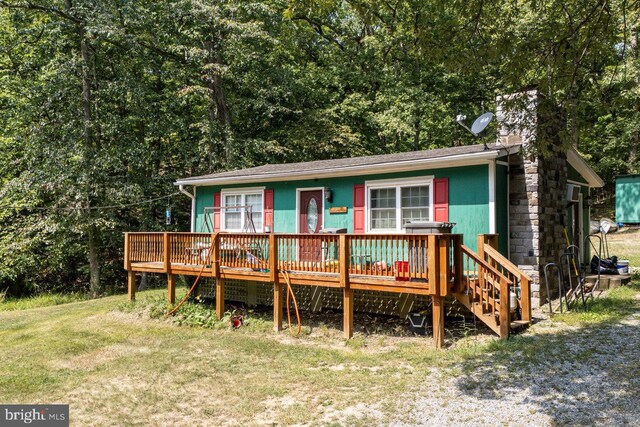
(193, 209)
(492, 197)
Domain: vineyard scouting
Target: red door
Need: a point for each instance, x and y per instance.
(310, 220)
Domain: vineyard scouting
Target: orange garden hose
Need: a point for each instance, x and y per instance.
(174, 309)
(195, 283)
(291, 295)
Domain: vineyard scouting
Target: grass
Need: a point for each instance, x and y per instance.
(619, 303)
(625, 244)
(43, 300)
(120, 363)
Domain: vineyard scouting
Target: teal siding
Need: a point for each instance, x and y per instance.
(468, 199)
(502, 209)
(628, 199)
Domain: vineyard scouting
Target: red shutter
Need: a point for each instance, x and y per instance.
(216, 212)
(441, 199)
(268, 209)
(358, 208)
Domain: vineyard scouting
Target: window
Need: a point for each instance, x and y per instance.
(394, 203)
(235, 218)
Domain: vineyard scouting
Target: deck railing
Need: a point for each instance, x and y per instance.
(398, 257)
(189, 248)
(317, 253)
(146, 247)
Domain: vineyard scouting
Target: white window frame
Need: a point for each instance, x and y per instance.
(239, 192)
(398, 183)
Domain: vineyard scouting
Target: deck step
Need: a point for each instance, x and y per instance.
(608, 281)
(519, 324)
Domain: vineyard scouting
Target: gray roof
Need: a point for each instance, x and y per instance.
(347, 166)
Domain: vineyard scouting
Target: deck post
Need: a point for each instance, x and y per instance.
(432, 267)
(166, 253)
(434, 251)
(505, 312)
(481, 242)
(347, 304)
(525, 297)
(171, 288)
(274, 276)
(131, 281)
(219, 298)
(348, 313)
(443, 259)
(215, 256)
(457, 263)
(127, 257)
(438, 320)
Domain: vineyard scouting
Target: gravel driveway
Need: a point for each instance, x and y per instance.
(562, 375)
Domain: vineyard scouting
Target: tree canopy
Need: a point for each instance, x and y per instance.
(105, 103)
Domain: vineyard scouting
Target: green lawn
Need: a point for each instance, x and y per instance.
(625, 244)
(116, 366)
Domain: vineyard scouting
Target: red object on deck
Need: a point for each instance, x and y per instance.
(402, 267)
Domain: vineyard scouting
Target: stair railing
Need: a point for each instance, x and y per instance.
(487, 249)
(487, 289)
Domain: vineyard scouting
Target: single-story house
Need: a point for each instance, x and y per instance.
(496, 189)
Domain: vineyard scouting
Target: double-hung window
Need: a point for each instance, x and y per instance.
(237, 205)
(393, 203)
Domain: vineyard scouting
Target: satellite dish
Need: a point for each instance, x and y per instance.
(481, 123)
(478, 125)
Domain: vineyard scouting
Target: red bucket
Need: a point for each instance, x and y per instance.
(402, 271)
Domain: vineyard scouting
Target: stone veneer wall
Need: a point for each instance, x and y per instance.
(537, 212)
(537, 185)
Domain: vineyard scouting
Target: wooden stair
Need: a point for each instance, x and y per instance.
(488, 277)
(489, 319)
(475, 307)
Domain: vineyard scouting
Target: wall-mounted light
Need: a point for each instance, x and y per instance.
(587, 201)
(328, 194)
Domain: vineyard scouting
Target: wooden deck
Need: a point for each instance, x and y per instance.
(437, 265)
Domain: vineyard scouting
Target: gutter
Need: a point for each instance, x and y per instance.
(400, 166)
(193, 205)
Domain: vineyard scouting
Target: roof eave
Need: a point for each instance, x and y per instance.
(579, 164)
(388, 167)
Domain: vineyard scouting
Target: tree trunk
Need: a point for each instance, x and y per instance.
(94, 261)
(218, 110)
(416, 133)
(92, 232)
(635, 137)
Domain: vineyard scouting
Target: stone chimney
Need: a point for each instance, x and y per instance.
(537, 185)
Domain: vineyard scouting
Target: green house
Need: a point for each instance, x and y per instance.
(628, 199)
(499, 189)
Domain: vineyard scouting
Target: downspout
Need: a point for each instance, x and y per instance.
(193, 205)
